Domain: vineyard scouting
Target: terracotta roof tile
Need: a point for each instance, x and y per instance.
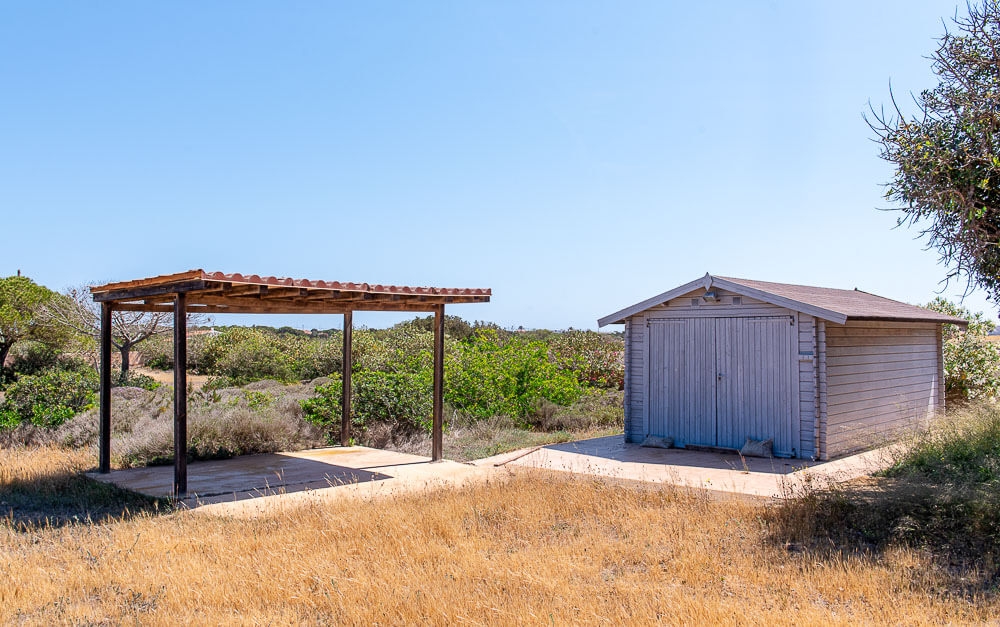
(255, 279)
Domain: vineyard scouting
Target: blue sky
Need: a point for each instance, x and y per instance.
(575, 157)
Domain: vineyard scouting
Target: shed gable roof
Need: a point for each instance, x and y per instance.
(834, 305)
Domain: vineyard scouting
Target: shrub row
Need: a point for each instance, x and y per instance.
(244, 354)
(489, 372)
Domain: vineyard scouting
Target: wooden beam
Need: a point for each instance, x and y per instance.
(345, 395)
(338, 295)
(283, 292)
(437, 428)
(180, 395)
(243, 290)
(222, 304)
(152, 290)
(104, 464)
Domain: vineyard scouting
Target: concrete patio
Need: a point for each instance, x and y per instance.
(612, 457)
(256, 484)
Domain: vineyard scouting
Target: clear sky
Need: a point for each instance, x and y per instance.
(576, 157)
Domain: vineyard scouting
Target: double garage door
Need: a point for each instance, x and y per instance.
(717, 381)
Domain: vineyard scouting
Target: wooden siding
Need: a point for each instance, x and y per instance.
(808, 386)
(635, 382)
(627, 383)
(881, 378)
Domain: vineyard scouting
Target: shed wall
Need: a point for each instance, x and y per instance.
(882, 378)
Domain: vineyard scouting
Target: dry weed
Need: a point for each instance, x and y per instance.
(539, 548)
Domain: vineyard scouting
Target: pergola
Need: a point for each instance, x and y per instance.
(198, 291)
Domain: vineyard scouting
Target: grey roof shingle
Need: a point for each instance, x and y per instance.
(827, 303)
(851, 303)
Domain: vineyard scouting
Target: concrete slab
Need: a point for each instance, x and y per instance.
(612, 457)
(261, 484)
(249, 484)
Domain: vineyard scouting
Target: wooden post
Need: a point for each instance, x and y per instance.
(180, 395)
(437, 438)
(104, 464)
(345, 396)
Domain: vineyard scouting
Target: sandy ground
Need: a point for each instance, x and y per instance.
(166, 377)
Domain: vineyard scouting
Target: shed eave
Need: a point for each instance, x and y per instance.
(707, 282)
(955, 321)
(619, 316)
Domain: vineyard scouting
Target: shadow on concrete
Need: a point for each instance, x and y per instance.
(241, 478)
(614, 448)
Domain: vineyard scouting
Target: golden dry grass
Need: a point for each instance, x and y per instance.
(538, 548)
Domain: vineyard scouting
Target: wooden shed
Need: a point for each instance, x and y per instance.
(820, 371)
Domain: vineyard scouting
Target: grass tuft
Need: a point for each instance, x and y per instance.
(46, 487)
(536, 547)
(940, 496)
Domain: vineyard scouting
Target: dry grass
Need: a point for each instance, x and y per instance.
(539, 548)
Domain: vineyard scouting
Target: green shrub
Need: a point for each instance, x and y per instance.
(32, 358)
(48, 399)
(323, 409)
(320, 357)
(971, 362)
(597, 359)
(401, 398)
(399, 349)
(488, 376)
(134, 380)
(962, 448)
(242, 355)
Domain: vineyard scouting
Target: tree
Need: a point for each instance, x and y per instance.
(971, 362)
(21, 300)
(77, 311)
(947, 157)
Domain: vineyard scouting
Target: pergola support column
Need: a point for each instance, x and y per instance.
(180, 395)
(437, 429)
(104, 463)
(345, 396)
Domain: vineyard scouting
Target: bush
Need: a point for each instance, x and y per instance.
(595, 409)
(134, 380)
(221, 423)
(32, 358)
(597, 359)
(488, 376)
(50, 398)
(963, 448)
(323, 409)
(320, 357)
(399, 349)
(242, 355)
(971, 362)
(397, 399)
(401, 398)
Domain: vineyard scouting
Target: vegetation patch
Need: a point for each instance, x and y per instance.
(530, 546)
(940, 496)
(44, 487)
